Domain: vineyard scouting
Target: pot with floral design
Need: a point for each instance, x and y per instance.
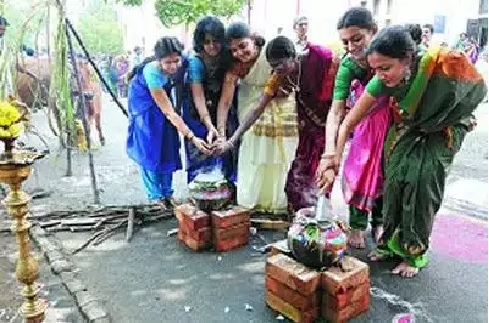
(317, 241)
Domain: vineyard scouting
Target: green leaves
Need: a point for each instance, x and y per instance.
(175, 12)
(130, 2)
(101, 32)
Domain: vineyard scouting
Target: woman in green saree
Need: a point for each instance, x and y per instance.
(432, 100)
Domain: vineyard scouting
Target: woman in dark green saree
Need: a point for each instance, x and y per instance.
(432, 98)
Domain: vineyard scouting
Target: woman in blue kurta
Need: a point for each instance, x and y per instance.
(206, 75)
(154, 122)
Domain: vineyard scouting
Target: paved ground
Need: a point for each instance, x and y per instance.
(155, 279)
(60, 304)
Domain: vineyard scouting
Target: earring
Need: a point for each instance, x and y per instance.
(407, 74)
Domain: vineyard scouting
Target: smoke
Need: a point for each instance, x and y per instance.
(210, 173)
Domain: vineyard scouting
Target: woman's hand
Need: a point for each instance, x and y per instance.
(223, 146)
(326, 173)
(212, 134)
(202, 146)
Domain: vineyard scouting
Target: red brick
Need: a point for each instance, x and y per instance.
(335, 280)
(349, 312)
(295, 275)
(289, 311)
(193, 244)
(238, 230)
(231, 217)
(344, 298)
(204, 234)
(298, 301)
(232, 243)
(192, 217)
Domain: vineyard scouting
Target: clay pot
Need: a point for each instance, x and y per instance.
(316, 244)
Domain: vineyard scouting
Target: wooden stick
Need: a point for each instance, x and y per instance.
(130, 225)
(108, 233)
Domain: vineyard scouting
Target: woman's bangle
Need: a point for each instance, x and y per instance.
(328, 155)
(222, 132)
(190, 135)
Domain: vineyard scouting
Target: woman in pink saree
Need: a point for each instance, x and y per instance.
(362, 171)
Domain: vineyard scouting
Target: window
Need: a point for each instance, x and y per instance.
(389, 7)
(483, 7)
(388, 22)
(363, 3)
(376, 7)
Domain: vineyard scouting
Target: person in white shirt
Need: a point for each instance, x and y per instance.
(301, 25)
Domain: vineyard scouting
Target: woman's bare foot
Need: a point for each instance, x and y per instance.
(357, 239)
(377, 255)
(405, 270)
(377, 233)
(162, 204)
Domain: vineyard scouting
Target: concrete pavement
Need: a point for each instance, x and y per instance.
(155, 279)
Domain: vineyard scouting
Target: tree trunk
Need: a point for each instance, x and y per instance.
(82, 105)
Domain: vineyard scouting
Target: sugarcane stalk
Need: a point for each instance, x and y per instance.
(82, 105)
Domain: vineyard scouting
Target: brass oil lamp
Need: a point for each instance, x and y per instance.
(15, 168)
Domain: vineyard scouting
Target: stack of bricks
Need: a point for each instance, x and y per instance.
(194, 227)
(303, 294)
(292, 289)
(345, 294)
(230, 228)
(225, 230)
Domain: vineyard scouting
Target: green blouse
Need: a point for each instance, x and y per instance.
(348, 71)
(376, 88)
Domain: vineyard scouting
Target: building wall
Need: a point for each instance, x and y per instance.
(142, 27)
(455, 12)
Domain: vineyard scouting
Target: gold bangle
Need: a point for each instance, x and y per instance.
(190, 135)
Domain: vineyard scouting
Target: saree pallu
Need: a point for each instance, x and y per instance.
(430, 124)
(362, 179)
(301, 188)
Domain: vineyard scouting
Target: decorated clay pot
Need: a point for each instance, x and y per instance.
(314, 243)
(209, 192)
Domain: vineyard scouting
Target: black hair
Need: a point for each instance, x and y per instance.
(416, 32)
(394, 42)
(299, 19)
(239, 30)
(3, 21)
(429, 26)
(357, 17)
(280, 47)
(208, 25)
(167, 46)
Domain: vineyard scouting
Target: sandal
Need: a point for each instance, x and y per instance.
(170, 203)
